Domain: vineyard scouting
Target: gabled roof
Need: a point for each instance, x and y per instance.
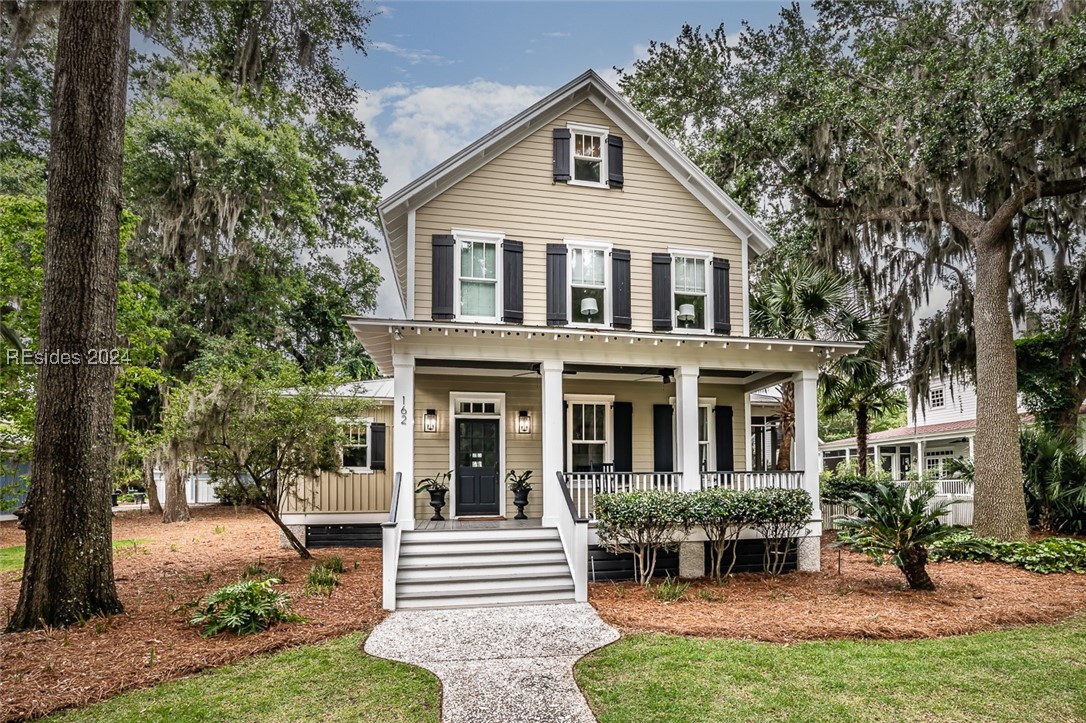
(587, 86)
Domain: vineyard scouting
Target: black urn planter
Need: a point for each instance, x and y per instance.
(437, 501)
(520, 499)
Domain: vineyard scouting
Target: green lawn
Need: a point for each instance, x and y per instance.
(11, 558)
(1029, 674)
(331, 681)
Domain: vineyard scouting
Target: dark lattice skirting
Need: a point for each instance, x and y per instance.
(605, 566)
(343, 535)
(749, 557)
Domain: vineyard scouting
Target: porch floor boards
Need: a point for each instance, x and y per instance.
(444, 525)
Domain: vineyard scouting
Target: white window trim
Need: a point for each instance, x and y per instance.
(942, 398)
(587, 129)
(709, 403)
(463, 235)
(455, 398)
(366, 422)
(608, 401)
(608, 291)
(707, 313)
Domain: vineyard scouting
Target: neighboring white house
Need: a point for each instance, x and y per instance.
(575, 295)
(939, 430)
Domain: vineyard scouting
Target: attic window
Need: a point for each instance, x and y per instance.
(936, 398)
(589, 159)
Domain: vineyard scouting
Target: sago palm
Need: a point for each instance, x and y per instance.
(898, 524)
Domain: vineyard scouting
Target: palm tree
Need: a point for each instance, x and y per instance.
(803, 301)
(856, 384)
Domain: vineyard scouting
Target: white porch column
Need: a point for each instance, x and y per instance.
(878, 459)
(806, 440)
(403, 434)
(553, 410)
(921, 459)
(686, 427)
(971, 447)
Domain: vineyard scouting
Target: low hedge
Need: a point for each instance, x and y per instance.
(1049, 555)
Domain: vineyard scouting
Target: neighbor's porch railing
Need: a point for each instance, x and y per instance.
(741, 480)
(584, 486)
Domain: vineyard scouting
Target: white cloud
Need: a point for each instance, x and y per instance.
(556, 35)
(412, 56)
(609, 74)
(415, 128)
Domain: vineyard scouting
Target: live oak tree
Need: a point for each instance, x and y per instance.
(68, 571)
(913, 134)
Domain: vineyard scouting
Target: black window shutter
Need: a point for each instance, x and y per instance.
(556, 285)
(562, 154)
(377, 445)
(444, 267)
(725, 455)
(661, 292)
(722, 320)
(623, 426)
(663, 448)
(614, 161)
(620, 277)
(513, 281)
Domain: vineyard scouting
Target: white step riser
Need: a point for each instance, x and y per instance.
(488, 587)
(448, 574)
(429, 562)
(410, 549)
(485, 600)
(479, 535)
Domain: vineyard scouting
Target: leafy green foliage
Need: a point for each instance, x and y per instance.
(839, 485)
(898, 523)
(243, 608)
(642, 523)
(322, 579)
(670, 590)
(1055, 480)
(1052, 388)
(1045, 556)
(438, 482)
(518, 482)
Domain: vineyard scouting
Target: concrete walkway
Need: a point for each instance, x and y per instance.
(498, 663)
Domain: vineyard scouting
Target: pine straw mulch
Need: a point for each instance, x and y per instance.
(150, 642)
(865, 601)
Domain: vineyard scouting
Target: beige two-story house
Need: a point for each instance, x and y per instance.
(575, 295)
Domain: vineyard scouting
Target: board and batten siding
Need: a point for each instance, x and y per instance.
(524, 451)
(339, 493)
(514, 194)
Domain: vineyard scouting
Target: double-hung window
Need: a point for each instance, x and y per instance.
(589, 149)
(354, 445)
(478, 275)
(589, 434)
(589, 281)
(690, 290)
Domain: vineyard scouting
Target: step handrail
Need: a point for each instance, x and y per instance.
(390, 548)
(573, 530)
(395, 505)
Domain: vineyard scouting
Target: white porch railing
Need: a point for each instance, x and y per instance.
(573, 531)
(584, 486)
(783, 479)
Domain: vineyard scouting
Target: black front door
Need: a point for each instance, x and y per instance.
(478, 479)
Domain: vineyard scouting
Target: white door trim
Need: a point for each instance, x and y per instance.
(499, 414)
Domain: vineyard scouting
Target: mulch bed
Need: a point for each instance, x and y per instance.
(43, 671)
(865, 601)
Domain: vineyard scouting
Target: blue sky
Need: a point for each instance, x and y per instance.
(440, 74)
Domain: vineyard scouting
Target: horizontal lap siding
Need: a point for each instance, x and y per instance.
(514, 194)
(333, 492)
(522, 451)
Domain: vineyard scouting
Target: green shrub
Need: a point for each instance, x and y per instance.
(1050, 555)
(779, 515)
(243, 607)
(670, 590)
(722, 514)
(899, 523)
(259, 571)
(334, 563)
(1054, 474)
(642, 523)
(839, 485)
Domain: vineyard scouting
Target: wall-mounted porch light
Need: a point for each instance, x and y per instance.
(429, 421)
(524, 422)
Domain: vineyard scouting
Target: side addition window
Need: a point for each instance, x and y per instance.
(690, 291)
(355, 445)
(589, 279)
(937, 398)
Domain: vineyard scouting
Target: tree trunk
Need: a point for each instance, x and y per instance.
(1000, 509)
(788, 425)
(861, 440)
(154, 506)
(291, 537)
(176, 508)
(68, 569)
(914, 564)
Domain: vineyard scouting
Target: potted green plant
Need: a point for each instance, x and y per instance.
(438, 487)
(520, 487)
